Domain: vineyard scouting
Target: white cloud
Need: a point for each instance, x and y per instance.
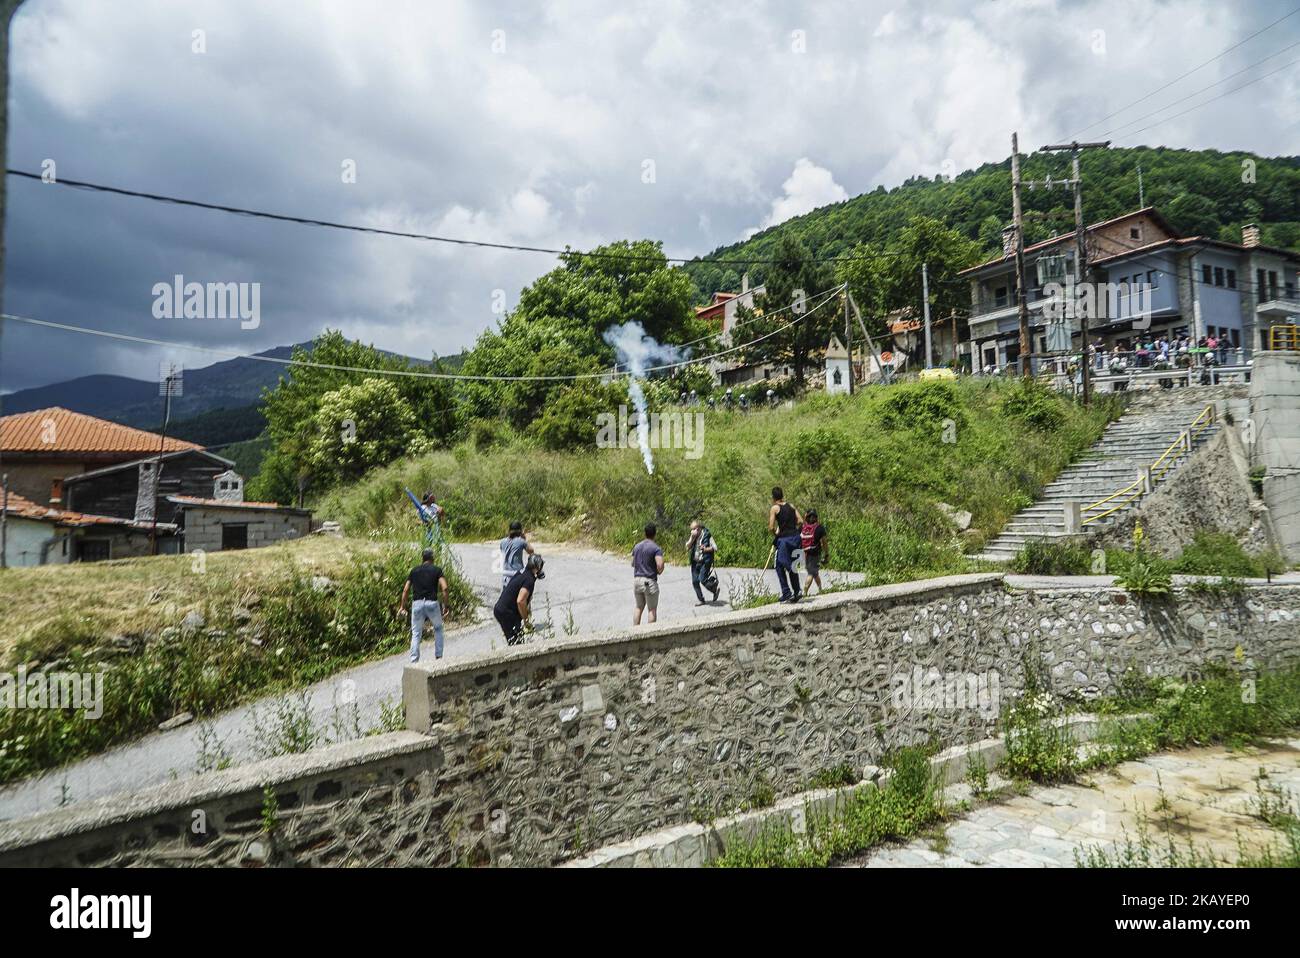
(807, 188)
(539, 143)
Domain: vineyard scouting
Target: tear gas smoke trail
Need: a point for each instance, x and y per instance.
(635, 349)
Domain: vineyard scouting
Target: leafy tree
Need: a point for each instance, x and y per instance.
(559, 325)
(794, 272)
(359, 426)
(570, 419)
(289, 468)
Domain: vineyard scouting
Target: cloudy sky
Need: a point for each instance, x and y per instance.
(545, 124)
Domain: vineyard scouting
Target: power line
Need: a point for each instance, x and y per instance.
(1181, 76)
(1209, 101)
(410, 373)
(1202, 90)
(429, 237)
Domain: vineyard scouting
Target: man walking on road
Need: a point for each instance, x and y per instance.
(702, 548)
(424, 587)
(784, 520)
(647, 566)
(514, 550)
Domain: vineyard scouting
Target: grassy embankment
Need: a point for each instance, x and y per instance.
(875, 465)
(271, 619)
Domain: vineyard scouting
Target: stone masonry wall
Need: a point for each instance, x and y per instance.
(535, 754)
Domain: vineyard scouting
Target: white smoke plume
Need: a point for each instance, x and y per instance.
(635, 351)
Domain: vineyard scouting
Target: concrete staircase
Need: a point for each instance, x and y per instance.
(1130, 444)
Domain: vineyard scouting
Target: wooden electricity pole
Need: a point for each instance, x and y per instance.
(1022, 301)
(1081, 252)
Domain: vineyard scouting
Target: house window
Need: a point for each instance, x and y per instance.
(1218, 276)
(234, 536)
(93, 550)
(1153, 278)
(1236, 338)
(1134, 233)
(1232, 279)
(1206, 276)
(1000, 296)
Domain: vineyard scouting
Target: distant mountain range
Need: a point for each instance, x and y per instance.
(229, 384)
(218, 404)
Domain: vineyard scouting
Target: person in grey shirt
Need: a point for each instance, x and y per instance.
(514, 549)
(647, 566)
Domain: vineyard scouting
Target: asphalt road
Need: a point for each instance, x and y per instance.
(584, 591)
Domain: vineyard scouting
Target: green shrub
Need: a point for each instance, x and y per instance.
(1037, 405)
(923, 405)
(1219, 553)
(1049, 557)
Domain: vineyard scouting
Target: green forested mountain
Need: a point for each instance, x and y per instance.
(1201, 192)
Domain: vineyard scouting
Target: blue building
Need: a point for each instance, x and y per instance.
(1140, 272)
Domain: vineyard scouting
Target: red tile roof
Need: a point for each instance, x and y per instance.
(59, 431)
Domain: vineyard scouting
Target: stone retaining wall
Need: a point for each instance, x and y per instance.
(539, 753)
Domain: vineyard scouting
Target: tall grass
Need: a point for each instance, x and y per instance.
(301, 630)
(874, 465)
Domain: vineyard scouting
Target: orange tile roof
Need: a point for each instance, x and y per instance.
(25, 508)
(59, 431)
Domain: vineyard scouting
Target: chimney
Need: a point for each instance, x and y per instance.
(228, 487)
(146, 491)
(56, 493)
(1009, 240)
(1250, 235)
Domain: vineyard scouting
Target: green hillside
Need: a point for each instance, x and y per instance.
(875, 465)
(1201, 192)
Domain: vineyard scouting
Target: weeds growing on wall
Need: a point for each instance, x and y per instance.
(1225, 706)
(908, 801)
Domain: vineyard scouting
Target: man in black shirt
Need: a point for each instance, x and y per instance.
(512, 606)
(425, 586)
(784, 521)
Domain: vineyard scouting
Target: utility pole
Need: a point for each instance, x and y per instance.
(4, 522)
(884, 378)
(848, 336)
(1022, 301)
(1142, 199)
(167, 386)
(1081, 252)
(925, 303)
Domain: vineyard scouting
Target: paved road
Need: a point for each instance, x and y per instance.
(584, 591)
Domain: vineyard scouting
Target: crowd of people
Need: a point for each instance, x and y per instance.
(799, 546)
(1158, 352)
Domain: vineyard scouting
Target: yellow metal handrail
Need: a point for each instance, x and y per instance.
(1284, 336)
(1136, 489)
